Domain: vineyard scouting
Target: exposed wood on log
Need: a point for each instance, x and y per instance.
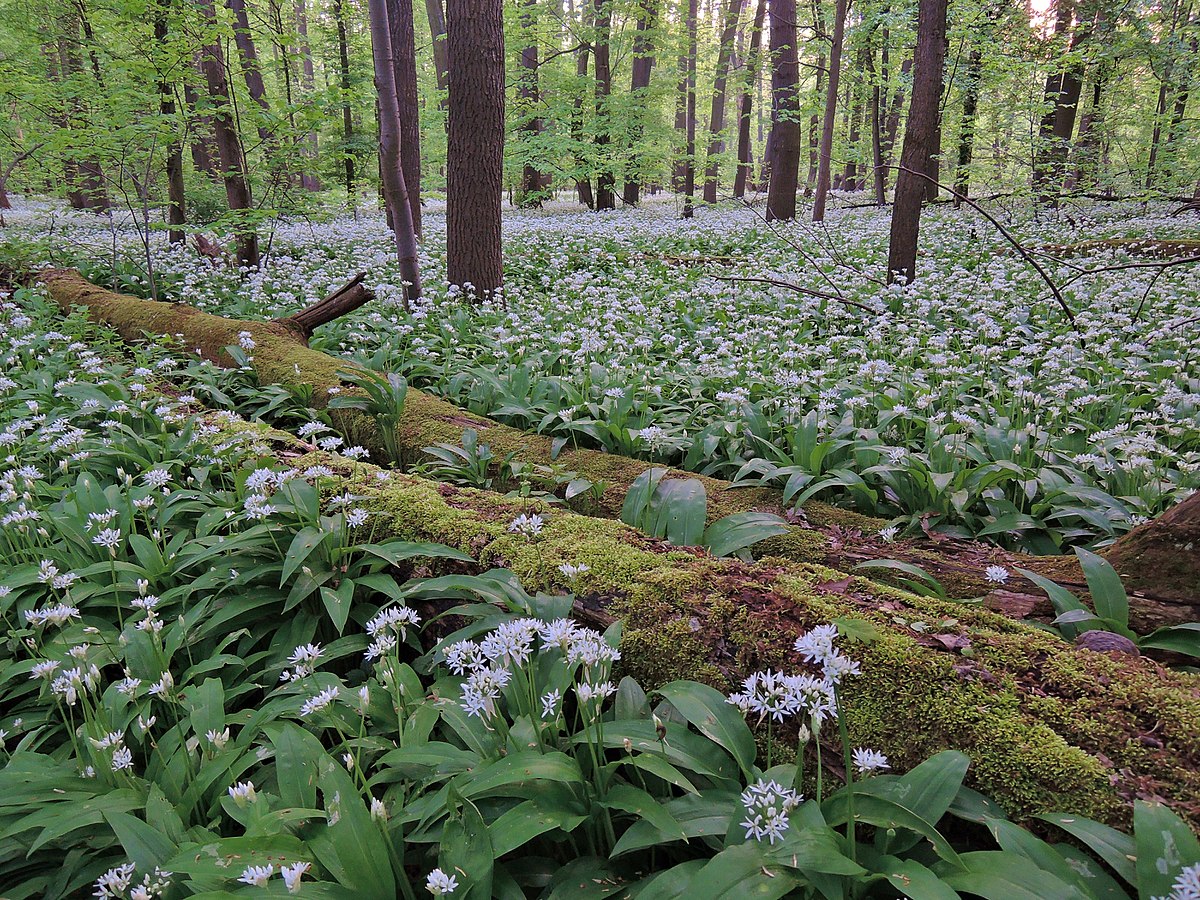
(349, 297)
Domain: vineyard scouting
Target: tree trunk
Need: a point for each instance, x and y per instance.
(176, 198)
(605, 180)
(308, 180)
(441, 56)
(877, 164)
(785, 131)
(89, 190)
(814, 126)
(825, 154)
(919, 136)
(202, 144)
(475, 148)
(678, 170)
(229, 144)
(251, 71)
(530, 191)
(1087, 146)
(583, 184)
(404, 68)
(391, 166)
(639, 85)
(893, 119)
(966, 128)
(339, 13)
(854, 106)
(689, 163)
(1044, 155)
(753, 66)
(716, 119)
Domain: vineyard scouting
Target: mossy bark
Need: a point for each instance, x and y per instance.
(830, 536)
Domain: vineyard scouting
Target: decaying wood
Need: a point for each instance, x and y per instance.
(349, 297)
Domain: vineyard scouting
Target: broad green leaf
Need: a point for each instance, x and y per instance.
(1114, 847)
(145, 846)
(303, 544)
(707, 710)
(351, 845)
(1165, 844)
(636, 802)
(886, 814)
(466, 851)
(738, 531)
(677, 511)
(1104, 584)
(525, 821)
(996, 875)
(1183, 639)
(743, 870)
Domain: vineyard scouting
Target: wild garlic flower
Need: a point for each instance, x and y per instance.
(439, 883)
(1186, 885)
(867, 762)
(767, 805)
(530, 526)
(321, 701)
(996, 574)
(304, 660)
(257, 875)
(291, 875)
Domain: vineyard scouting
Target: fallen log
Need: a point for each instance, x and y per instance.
(1160, 248)
(1048, 726)
(828, 536)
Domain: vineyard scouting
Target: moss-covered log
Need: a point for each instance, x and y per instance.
(1048, 726)
(830, 536)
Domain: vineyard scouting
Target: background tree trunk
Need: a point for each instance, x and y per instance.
(639, 84)
(785, 132)
(919, 136)
(1043, 165)
(339, 13)
(441, 56)
(404, 68)
(475, 149)
(202, 145)
(966, 129)
(878, 170)
(716, 119)
(308, 179)
(753, 68)
(395, 189)
(825, 153)
(689, 162)
(530, 191)
(605, 180)
(176, 198)
(86, 189)
(251, 72)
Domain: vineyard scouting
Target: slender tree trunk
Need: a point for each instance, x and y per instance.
(605, 180)
(176, 199)
(251, 71)
(475, 149)
(716, 119)
(966, 129)
(785, 132)
(339, 13)
(880, 180)
(395, 189)
(753, 65)
(583, 184)
(679, 170)
(437, 34)
(1087, 146)
(639, 84)
(825, 154)
(530, 191)
(90, 192)
(919, 136)
(1044, 154)
(404, 67)
(854, 105)
(308, 180)
(689, 163)
(814, 126)
(202, 145)
(229, 144)
(893, 119)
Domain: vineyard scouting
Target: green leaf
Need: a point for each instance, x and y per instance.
(501, 776)
(303, 544)
(738, 531)
(636, 802)
(743, 870)
(351, 846)
(886, 814)
(397, 552)
(926, 790)
(466, 852)
(1114, 847)
(144, 845)
(1183, 639)
(706, 709)
(296, 755)
(525, 821)
(678, 510)
(814, 848)
(914, 880)
(637, 498)
(705, 815)
(1104, 584)
(997, 875)
(1060, 598)
(1165, 844)
(1016, 840)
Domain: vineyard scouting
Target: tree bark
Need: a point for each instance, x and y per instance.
(785, 131)
(404, 68)
(753, 66)
(878, 170)
(176, 197)
(825, 154)
(678, 170)
(202, 144)
(251, 71)
(308, 179)
(893, 119)
(339, 13)
(605, 180)
(583, 183)
(854, 106)
(229, 144)
(441, 56)
(689, 163)
(530, 191)
(966, 128)
(89, 191)
(1044, 167)
(395, 188)
(639, 85)
(475, 149)
(919, 136)
(716, 119)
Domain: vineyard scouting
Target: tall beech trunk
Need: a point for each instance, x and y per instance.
(814, 125)
(308, 179)
(785, 130)
(339, 14)
(85, 182)
(716, 119)
(689, 162)
(605, 180)
(753, 67)
(825, 153)
(441, 56)
(475, 148)
(391, 167)
(966, 128)
(639, 84)
(583, 184)
(251, 71)
(893, 119)
(1045, 155)
(202, 145)
(530, 190)
(404, 69)
(679, 168)
(854, 106)
(229, 144)
(919, 136)
(877, 164)
(176, 199)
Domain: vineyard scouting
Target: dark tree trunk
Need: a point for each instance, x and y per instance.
(1046, 171)
(689, 162)
(391, 167)
(893, 119)
(919, 136)
(475, 149)
(825, 154)
(877, 164)
(814, 127)
(200, 127)
(229, 144)
(339, 13)
(308, 180)
(753, 65)
(854, 104)
(785, 132)
(605, 181)
(437, 33)
(530, 191)
(966, 129)
(176, 201)
(639, 84)
(583, 184)
(404, 69)
(679, 170)
(251, 71)
(1087, 146)
(86, 189)
(716, 119)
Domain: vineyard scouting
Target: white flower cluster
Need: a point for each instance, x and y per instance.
(767, 805)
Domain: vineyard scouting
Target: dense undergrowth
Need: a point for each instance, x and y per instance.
(214, 680)
(964, 403)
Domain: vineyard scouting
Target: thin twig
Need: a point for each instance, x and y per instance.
(797, 288)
